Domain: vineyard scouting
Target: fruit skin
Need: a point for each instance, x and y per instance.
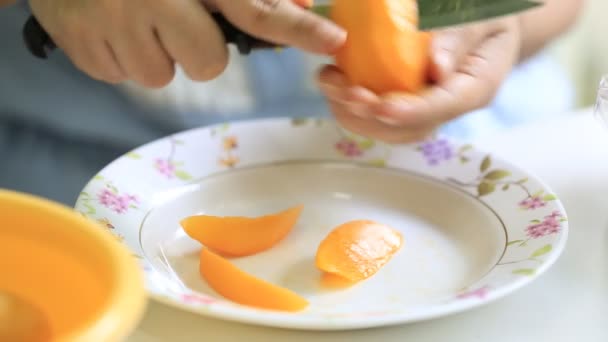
(384, 51)
(236, 285)
(241, 236)
(357, 250)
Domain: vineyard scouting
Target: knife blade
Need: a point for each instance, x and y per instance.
(433, 14)
(436, 14)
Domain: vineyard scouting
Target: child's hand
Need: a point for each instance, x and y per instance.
(139, 40)
(470, 64)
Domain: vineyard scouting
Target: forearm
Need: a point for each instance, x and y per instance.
(540, 26)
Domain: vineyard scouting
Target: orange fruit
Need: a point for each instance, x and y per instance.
(241, 236)
(385, 51)
(236, 285)
(357, 250)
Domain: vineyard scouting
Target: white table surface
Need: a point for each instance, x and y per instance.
(568, 303)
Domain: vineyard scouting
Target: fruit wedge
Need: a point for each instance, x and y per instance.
(238, 286)
(241, 236)
(356, 250)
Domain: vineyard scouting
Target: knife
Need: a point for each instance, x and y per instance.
(433, 14)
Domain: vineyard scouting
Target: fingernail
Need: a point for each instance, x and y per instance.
(330, 90)
(334, 36)
(388, 120)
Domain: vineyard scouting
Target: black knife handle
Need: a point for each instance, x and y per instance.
(40, 44)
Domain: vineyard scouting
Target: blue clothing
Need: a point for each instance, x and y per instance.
(58, 127)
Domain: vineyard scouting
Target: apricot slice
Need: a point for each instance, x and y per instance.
(236, 285)
(241, 236)
(356, 250)
(384, 51)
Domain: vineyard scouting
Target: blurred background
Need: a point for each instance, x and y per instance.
(584, 52)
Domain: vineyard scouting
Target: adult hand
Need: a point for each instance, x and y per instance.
(469, 64)
(139, 40)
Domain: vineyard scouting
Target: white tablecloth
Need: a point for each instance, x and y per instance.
(568, 303)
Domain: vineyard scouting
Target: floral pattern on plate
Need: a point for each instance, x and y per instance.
(535, 220)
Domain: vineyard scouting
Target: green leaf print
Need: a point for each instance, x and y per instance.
(525, 271)
(497, 175)
(377, 162)
(514, 242)
(549, 197)
(541, 251)
(98, 177)
(485, 164)
(90, 209)
(464, 160)
(522, 181)
(367, 144)
(183, 175)
(133, 155)
(505, 187)
(465, 148)
(299, 121)
(485, 188)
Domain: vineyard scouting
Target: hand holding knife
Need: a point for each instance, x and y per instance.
(434, 14)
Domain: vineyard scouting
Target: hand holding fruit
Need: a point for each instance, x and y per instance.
(397, 84)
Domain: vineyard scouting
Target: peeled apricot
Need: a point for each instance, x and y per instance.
(357, 250)
(241, 236)
(384, 51)
(236, 285)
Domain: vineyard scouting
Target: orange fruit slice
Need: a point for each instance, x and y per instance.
(384, 51)
(358, 249)
(236, 285)
(241, 236)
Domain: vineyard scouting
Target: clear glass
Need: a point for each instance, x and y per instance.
(601, 102)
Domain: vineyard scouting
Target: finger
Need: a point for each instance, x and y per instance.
(193, 40)
(473, 86)
(377, 130)
(283, 22)
(106, 59)
(94, 59)
(141, 55)
(334, 84)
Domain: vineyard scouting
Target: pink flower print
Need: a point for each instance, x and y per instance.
(197, 299)
(436, 151)
(115, 202)
(349, 148)
(555, 214)
(532, 203)
(550, 225)
(479, 293)
(165, 167)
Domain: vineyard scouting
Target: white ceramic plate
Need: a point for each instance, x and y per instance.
(475, 227)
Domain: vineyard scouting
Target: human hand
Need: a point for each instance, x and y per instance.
(118, 40)
(469, 64)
